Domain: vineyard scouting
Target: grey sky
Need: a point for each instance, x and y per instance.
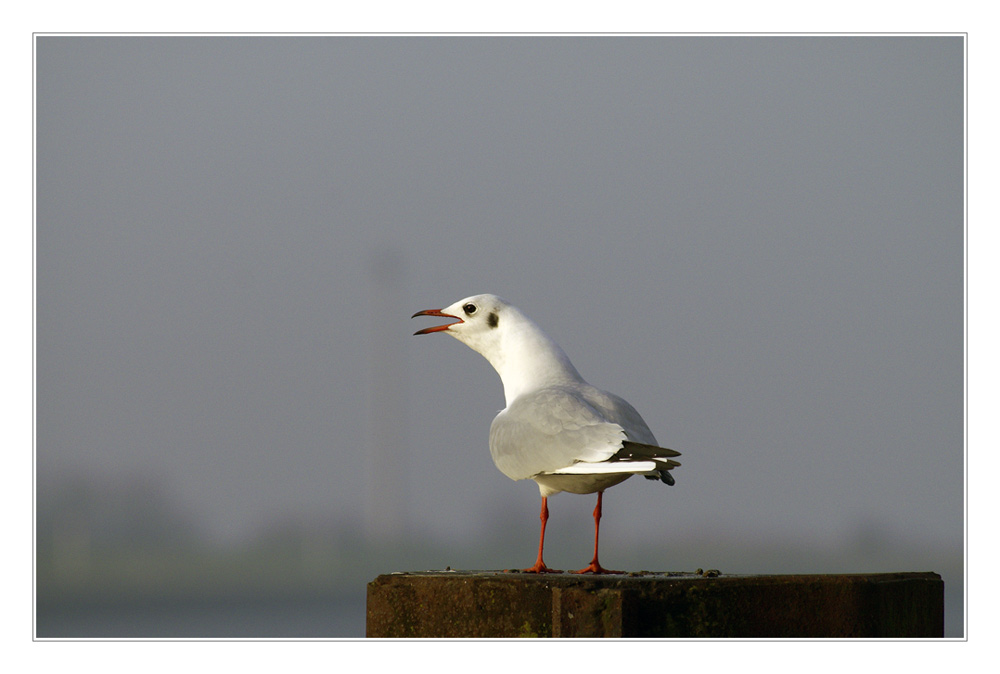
(758, 241)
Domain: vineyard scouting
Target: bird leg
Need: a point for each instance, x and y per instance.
(595, 566)
(539, 566)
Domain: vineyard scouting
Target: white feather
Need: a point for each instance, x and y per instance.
(586, 468)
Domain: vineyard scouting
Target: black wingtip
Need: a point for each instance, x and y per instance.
(664, 476)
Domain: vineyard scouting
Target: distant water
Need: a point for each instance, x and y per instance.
(232, 619)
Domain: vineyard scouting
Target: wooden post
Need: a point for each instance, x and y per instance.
(495, 604)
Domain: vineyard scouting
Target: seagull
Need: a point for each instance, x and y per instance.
(557, 429)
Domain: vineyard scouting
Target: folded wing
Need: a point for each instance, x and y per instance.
(549, 429)
(558, 430)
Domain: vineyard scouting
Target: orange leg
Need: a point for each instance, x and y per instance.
(539, 566)
(595, 566)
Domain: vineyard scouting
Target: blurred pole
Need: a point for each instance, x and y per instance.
(386, 467)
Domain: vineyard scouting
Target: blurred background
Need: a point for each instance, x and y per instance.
(757, 241)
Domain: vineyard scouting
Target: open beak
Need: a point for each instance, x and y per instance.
(436, 328)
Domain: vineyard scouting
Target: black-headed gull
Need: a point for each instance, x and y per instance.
(557, 429)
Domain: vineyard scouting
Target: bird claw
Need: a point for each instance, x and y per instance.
(596, 568)
(540, 567)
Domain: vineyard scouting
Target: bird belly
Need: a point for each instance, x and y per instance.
(549, 484)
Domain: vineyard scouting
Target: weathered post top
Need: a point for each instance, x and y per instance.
(495, 604)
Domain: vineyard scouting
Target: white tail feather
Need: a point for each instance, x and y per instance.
(585, 468)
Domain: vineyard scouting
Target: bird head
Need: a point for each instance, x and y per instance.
(477, 321)
(524, 356)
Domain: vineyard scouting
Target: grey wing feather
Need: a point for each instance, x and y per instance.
(620, 411)
(550, 429)
(641, 445)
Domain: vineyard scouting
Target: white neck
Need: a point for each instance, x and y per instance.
(528, 359)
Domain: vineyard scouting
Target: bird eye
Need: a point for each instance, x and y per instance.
(469, 308)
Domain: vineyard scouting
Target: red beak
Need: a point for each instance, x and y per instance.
(436, 328)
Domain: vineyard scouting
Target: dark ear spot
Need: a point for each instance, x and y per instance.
(493, 320)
